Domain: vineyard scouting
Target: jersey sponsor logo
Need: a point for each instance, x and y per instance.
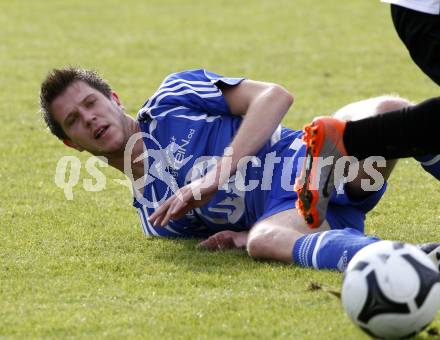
(178, 152)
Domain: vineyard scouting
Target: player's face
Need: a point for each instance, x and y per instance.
(92, 121)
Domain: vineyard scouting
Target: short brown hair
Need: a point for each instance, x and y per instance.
(56, 82)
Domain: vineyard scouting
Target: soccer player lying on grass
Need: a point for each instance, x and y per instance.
(188, 154)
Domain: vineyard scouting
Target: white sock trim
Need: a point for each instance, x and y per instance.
(315, 251)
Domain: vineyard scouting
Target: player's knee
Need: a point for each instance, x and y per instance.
(371, 107)
(391, 103)
(261, 241)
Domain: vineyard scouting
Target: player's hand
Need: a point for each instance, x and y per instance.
(226, 239)
(190, 196)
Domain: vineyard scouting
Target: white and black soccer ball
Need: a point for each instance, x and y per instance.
(391, 290)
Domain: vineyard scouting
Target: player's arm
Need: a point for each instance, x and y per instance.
(262, 105)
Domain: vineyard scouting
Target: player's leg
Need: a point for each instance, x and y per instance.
(409, 131)
(371, 107)
(317, 182)
(360, 110)
(274, 237)
(286, 237)
(420, 32)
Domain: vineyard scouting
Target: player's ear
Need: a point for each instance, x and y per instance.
(116, 99)
(72, 145)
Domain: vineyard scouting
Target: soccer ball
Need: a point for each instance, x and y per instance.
(391, 290)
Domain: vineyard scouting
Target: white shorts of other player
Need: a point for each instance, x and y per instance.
(425, 6)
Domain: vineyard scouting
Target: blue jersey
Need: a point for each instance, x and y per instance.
(186, 126)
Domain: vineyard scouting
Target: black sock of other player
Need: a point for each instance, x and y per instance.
(408, 132)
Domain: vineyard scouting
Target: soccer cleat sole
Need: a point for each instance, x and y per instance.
(308, 197)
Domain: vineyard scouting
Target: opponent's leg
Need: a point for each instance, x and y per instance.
(420, 32)
(324, 142)
(315, 184)
(373, 106)
(360, 110)
(408, 132)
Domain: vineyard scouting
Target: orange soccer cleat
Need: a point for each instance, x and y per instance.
(315, 185)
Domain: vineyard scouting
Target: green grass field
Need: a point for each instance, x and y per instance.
(82, 268)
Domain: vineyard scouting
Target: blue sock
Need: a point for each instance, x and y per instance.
(431, 164)
(331, 249)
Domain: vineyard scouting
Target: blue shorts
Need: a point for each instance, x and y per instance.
(342, 211)
(347, 214)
